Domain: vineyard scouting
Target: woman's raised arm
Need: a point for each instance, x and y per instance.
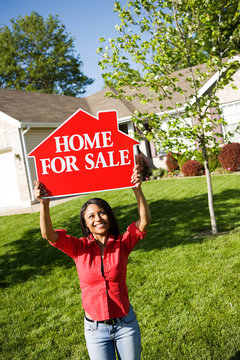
(45, 220)
(143, 208)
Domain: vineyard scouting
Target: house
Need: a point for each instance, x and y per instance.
(27, 118)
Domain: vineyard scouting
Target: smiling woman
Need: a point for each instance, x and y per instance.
(97, 221)
(101, 259)
(101, 209)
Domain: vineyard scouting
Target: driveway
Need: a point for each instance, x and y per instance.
(33, 208)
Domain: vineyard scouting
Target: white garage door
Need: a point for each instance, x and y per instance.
(9, 191)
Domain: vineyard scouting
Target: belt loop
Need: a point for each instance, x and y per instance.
(119, 321)
(95, 325)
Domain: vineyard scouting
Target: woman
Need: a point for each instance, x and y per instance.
(101, 260)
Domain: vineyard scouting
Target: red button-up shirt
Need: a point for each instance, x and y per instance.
(103, 283)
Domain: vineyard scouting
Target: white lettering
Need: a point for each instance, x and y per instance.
(71, 162)
(101, 160)
(77, 142)
(62, 165)
(107, 139)
(64, 143)
(111, 159)
(89, 161)
(90, 142)
(124, 156)
(58, 164)
(72, 145)
(45, 166)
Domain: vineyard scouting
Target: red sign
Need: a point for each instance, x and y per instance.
(85, 154)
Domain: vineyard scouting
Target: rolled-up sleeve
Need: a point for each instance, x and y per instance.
(70, 245)
(132, 236)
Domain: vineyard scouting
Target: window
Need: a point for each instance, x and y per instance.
(231, 114)
(123, 128)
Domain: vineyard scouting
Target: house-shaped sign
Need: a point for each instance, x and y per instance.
(85, 154)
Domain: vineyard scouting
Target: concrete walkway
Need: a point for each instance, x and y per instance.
(33, 208)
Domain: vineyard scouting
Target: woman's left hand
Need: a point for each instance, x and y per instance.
(143, 208)
(136, 178)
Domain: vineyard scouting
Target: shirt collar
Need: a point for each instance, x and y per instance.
(110, 238)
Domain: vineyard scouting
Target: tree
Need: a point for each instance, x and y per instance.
(159, 44)
(38, 55)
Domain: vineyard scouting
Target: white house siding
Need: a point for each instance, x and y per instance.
(142, 147)
(160, 162)
(230, 105)
(11, 150)
(231, 114)
(9, 189)
(228, 94)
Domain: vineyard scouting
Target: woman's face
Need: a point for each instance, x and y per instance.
(97, 220)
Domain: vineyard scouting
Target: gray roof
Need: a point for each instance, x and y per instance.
(39, 107)
(49, 108)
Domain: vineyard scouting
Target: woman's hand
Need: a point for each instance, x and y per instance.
(143, 208)
(45, 220)
(39, 191)
(136, 178)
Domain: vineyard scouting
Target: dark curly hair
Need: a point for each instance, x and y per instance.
(114, 228)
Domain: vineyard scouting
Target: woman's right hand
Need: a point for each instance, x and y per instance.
(45, 220)
(39, 191)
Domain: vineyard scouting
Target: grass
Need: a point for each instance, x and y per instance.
(183, 284)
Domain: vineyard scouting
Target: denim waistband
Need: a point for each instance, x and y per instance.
(106, 322)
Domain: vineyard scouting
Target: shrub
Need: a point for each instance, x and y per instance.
(229, 156)
(182, 159)
(220, 171)
(192, 168)
(157, 173)
(144, 166)
(171, 162)
(213, 161)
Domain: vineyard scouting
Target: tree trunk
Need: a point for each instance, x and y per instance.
(210, 198)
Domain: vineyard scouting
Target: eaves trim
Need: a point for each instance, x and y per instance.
(54, 125)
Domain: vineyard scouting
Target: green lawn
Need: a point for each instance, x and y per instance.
(183, 284)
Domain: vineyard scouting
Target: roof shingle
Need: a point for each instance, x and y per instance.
(49, 108)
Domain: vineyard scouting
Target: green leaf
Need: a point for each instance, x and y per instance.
(39, 55)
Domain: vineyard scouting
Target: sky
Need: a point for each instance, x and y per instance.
(85, 20)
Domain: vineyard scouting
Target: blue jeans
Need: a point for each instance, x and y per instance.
(123, 337)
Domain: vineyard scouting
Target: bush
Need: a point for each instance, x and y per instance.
(220, 171)
(144, 166)
(171, 162)
(182, 159)
(213, 161)
(192, 168)
(157, 173)
(229, 156)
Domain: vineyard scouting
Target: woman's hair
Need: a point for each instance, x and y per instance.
(114, 228)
